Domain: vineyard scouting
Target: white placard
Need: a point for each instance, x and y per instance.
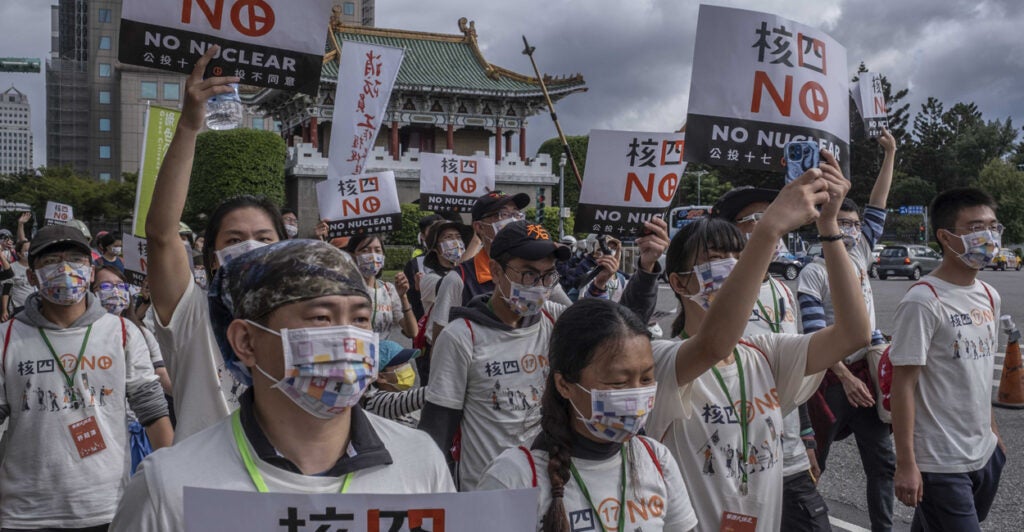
(134, 256)
(870, 98)
(454, 182)
(760, 81)
(208, 510)
(630, 178)
(357, 204)
(268, 43)
(366, 75)
(58, 213)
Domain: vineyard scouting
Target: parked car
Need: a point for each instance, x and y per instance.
(1005, 259)
(907, 260)
(873, 270)
(813, 252)
(786, 265)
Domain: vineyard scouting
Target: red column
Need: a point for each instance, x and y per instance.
(314, 135)
(508, 142)
(451, 137)
(394, 141)
(305, 132)
(497, 144)
(522, 144)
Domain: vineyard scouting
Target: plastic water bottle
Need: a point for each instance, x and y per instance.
(224, 111)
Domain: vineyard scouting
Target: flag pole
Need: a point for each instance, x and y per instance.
(528, 50)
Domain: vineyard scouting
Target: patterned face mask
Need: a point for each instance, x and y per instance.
(225, 255)
(114, 298)
(526, 300)
(326, 369)
(452, 250)
(370, 263)
(711, 276)
(617, 415)
(64, 283)
(979, 248)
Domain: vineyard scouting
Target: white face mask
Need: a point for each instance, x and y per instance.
(291, 230)
(200, 276)
(500, 224)
(617, 415)
(452, 250)
(526, 300)
(114, 299)
(979, 248)
(117, 250)
(326, 369)
(225, 255)
(370, 264)
(64, 283)
(850, 236)
(711, 276)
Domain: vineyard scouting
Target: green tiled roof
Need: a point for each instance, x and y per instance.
(447, 63)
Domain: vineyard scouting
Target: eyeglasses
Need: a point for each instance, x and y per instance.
(756, 217)
(504, 215)
(107, 285)
(849, 224)
(531, 278)
(57, 258)
(996, 228)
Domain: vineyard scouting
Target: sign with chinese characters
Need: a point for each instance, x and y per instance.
(630, 178)
(760, 81)
(453, 182)
(157, 133)
(365, 77)
(911, 209)
(358, 204)
(58, 213)
(277, 44)
(209, 510)
(869, 96)
(134, 257)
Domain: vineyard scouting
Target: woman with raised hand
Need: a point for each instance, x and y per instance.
(390, 300)
(721, 397)
(599, 392)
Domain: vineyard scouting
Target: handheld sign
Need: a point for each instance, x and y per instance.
(277, 44)
(630, 178)
(135, 258)
(454, 182)
(158, 131)
(58, 213)
(869, 96)
(760, 81)
(208, 510)
(358, 204)
(365, 77)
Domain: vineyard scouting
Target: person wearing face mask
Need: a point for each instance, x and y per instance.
(17, 288)
(414, 267)
(110, 250)
(69, 367)
(613, 280)
(949, 455)
(721, 395)
(394, 395)
(471, 278)
(390, 301)
(599, 392)
(845, 404)
(204, 391)
(291, 222)
(299, 428)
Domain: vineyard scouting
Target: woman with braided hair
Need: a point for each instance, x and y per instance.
(594, 472)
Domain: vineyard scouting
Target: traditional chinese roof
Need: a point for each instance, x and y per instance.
(445, 63)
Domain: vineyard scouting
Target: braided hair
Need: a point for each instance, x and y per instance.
(581, 330)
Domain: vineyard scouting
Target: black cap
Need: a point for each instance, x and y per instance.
(493, 201)
(527, 241)
(435, 230)
(737, 199)
(52, 235)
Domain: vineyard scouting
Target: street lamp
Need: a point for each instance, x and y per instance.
(561, 196)
(700, 174)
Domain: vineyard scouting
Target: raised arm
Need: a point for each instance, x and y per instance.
(169, 273)
(23, 219)
(724, 323)
(851, 329)
(880, 192)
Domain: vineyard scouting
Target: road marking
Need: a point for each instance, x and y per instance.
(839, 523)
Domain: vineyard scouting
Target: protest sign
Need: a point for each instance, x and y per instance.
(268, 43)
(358, 204)
(630, 178)
(58, 213)
(208, 510)
(135, 257)
(365, 77)
(869, 96)
(760, 81)
(157, 133)
(453, 182)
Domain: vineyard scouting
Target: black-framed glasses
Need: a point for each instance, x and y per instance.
(849, 224)
(531, 278)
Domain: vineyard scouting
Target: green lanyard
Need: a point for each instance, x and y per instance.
(70, 379)
(743, 414)
(622, 499)
(373, 317)
(775, 326)
(250, 464)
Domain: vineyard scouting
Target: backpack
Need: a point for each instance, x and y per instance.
(884, 371)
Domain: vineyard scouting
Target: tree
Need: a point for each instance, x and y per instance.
(929, 157)
(229, 163)
(578, 146)
(910, 190)
(91, 200)
(1005, 183)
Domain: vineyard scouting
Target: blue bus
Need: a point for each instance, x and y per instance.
(680, 216)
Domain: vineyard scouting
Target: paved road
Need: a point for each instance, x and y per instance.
(843, 485)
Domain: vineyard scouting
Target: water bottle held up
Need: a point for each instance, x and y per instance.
(224, 111)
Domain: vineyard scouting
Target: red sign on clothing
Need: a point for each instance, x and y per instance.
(87, 437)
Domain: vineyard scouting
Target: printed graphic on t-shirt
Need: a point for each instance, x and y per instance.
(723, 455)
(518, 383)
(42, 394)
(973, 341)
(648, 509)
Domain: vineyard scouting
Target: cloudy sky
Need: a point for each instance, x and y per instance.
(636, 54)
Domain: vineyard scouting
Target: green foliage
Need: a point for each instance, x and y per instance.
(578, 146)
(406, 236)
(395, 257)
(92, 200)
(229, 163)
(1005, 183)
(911, 190)
(550, 221)
(712, 186)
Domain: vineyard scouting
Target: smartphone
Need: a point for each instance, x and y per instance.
(800, 156)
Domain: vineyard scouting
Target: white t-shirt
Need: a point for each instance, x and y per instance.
(497, 379)
(813, 281)
(701, 429)
(205, 391)
(154, 499)
(44, 481)
(656, 504)
(954, 337)
(387, 308)
(428, 289)
(20, 289)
